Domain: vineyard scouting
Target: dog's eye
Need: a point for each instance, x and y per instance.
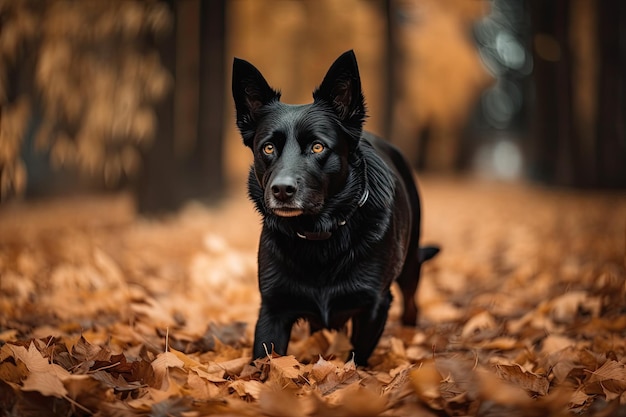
(317, 147)
(268, 148)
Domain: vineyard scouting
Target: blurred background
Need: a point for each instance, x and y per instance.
(135, 95)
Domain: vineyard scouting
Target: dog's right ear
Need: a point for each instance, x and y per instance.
(251, 92)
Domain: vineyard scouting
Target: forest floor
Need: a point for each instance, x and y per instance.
(106, 313)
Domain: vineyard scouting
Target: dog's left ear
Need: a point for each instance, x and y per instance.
(341, 89)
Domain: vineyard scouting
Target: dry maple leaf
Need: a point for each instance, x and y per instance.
(44, 377)
(47, 384)
(84, 351)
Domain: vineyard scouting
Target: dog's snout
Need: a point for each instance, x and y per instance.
(284, 188)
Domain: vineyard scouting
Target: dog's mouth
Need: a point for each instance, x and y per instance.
(287, 212)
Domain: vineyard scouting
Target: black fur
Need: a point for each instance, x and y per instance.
(339, 225)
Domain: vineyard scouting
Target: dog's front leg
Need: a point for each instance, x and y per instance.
(367, 329)
(272, 331)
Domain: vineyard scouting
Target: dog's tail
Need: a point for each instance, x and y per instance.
(425, 253)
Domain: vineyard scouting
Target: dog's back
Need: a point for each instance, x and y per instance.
(408, 279)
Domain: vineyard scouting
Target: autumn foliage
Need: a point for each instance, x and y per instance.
(104, 313)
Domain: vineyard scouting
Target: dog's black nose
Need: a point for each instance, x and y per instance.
(284, 188)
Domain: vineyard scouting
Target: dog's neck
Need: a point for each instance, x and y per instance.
(327, 234)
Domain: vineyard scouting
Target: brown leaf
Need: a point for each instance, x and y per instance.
(232, 367)
(536, 384)
(478, 323)
(330, 377)
(287, 366)
(247, 388)
(161, 365)
(357, 401)
(116, 382)
(281, 403)
(44, 377)
(579, 398)
(321, 369)
(426, 381)
(188, 361)
(494, 388)
(48, 384)
(201, 388)
(565, 308)
(609, 370)
(31, 357)
(609, 379)
(85, 351)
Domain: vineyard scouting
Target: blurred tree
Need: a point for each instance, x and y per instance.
(391, 73)
(90, 84)
(187, 163)
(79, 81)
(440, 78)
(580, 93)
(611, 110)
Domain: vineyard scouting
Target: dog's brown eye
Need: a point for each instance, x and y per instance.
(317, 148)
(268, 149)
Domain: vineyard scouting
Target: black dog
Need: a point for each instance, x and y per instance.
(341, 214)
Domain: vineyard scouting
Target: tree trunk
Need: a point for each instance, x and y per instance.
(209, 156)
(563, 149)
(180, 168)
(611, 95)
(157, 183)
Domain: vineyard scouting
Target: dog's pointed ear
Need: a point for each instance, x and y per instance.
(251, 92)
(341, 88)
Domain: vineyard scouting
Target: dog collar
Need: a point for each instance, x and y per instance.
(327, 235)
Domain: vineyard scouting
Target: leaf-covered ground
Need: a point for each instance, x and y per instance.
(105, 313)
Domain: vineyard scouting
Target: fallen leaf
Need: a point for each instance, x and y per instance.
(33, 359)
(426, 381)
(609, 379)
(494, 388)
(479, 322)
(357, 401)
(515, 374)
(281, 403)
(331, 377)
(565, 308)
(232, 367)
(163, 362)
(321, 369)
(47, 384)
(201, 388)
(247, 388)
(287, 366)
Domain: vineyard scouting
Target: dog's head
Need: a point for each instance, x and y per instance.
(301, 153)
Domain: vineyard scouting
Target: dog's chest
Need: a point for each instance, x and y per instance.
(324, 302)
(330, 309)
